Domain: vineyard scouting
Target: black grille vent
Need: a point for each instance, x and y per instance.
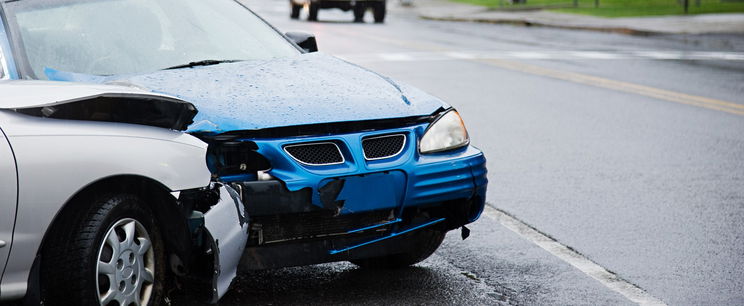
(318, 153)
(379, 147)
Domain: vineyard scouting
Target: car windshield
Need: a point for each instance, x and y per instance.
(108, 37)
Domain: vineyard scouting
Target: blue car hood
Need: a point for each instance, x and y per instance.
(307, 89)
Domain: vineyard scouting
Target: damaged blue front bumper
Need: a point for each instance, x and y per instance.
(358, 201)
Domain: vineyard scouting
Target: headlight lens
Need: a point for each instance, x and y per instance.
(447, 133)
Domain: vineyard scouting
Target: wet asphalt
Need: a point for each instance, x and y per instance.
(650, 189)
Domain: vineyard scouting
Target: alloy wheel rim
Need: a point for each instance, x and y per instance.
(125, 266)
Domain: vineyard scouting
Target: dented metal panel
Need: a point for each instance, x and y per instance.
(227, 225)
(97, 103)
(416, 178)
(367, 201)
(308, 89)
(68, 155)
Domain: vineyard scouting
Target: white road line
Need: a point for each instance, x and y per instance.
(588, 267)
(530, 55)
(461, 55)
(396, 56)
(664, 55)
(597, 55)
(545, 55)
(718, 55)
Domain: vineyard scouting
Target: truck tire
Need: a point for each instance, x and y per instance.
(295, 12)
(313, 11)
(379, 11)
(425, 242)
(110, 253)
(359, 9)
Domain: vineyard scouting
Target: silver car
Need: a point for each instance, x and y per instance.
(94, 178)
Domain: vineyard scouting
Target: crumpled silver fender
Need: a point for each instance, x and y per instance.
(227, 225)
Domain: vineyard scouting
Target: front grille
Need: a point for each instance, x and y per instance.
(316, 154)
(379, 147)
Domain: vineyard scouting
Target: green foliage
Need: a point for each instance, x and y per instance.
(530, 4)
(619, 8)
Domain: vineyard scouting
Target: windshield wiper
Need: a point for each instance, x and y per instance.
(202, 63)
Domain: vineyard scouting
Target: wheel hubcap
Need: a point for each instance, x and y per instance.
(126, 265)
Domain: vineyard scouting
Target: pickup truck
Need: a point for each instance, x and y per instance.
(358, 6)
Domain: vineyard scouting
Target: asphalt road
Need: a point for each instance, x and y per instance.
(628, 150)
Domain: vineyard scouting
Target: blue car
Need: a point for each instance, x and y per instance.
(329, 161)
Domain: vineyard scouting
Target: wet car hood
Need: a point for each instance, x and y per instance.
(307, 89)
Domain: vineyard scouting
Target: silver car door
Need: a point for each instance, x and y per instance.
(8, 199)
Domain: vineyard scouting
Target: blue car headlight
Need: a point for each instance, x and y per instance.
(446, 133)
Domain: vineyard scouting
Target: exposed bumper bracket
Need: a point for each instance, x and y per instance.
(410, 229)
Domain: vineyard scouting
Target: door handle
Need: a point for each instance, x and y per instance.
(2, 243)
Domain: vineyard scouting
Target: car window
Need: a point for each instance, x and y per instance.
(108, 37)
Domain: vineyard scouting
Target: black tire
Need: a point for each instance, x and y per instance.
(379, 11)
(425, 242)
(70, 257)
(359, 9)
(313, 11)
(295, 13)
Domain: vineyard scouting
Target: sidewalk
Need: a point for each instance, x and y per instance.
(692, 24)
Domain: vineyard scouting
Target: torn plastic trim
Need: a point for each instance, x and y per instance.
(143, 109)
(391, 235)
(315, 251)
(227, 226)
(398, 220)
(233, 161)
(264, 198)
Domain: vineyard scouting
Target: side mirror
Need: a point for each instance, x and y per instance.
(304, 40)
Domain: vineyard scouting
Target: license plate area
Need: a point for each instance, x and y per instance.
(370, 192)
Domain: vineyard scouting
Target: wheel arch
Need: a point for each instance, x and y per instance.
(166, 212)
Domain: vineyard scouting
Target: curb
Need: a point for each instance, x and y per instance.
(529, 23)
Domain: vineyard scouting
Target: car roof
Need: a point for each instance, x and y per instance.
(27, 93)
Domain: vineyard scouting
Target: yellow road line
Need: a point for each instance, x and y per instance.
(661, 94)
(667, 95)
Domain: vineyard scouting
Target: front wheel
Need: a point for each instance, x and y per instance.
(111, 255)
(424, 243)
